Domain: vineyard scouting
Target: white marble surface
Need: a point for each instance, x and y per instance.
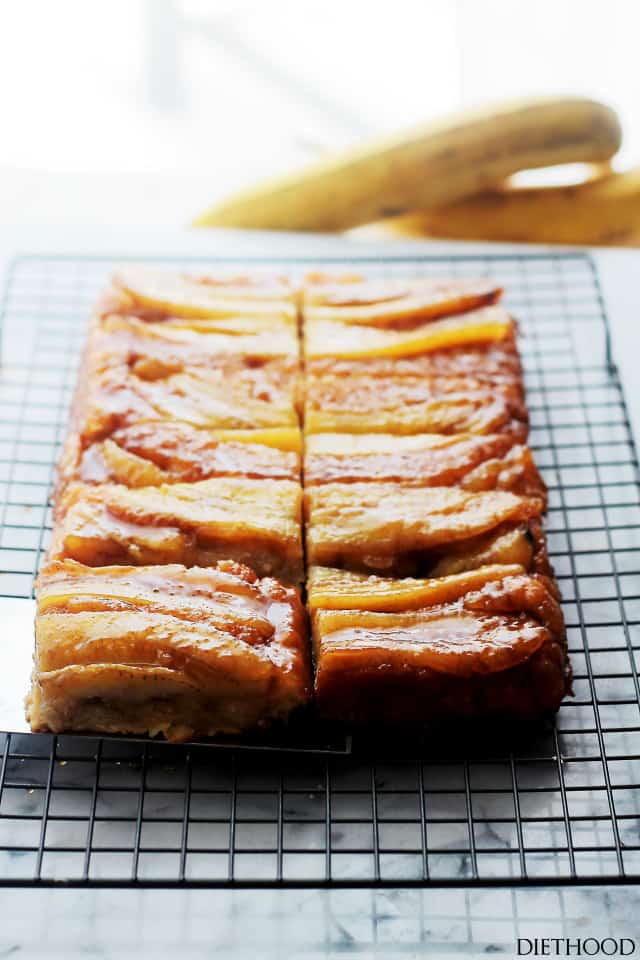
(306, 924)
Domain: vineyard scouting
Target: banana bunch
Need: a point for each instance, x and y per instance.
(451, 180)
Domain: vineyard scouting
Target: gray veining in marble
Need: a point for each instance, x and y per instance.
(305, 924)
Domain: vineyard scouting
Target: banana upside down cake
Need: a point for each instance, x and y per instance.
(170, 602)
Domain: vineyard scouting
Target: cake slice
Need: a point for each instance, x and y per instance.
(355, 300)
(404, 530)
(406, 405)
(148, 453)
(410, 653)
(165, 650)
(256, 522)
(472, 462)
(161, 295)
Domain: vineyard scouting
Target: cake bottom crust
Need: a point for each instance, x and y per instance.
(176, 717)
(398, 696)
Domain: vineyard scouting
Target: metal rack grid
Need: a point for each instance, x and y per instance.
(565, 808)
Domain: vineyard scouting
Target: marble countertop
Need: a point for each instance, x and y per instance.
(307, 924)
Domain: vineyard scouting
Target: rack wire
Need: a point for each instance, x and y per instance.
(563, 808)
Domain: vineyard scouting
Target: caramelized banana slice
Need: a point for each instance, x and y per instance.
(329, 588)
(491, 462)
(160, 294)
(256, 522)
(492, 362)
(394, 528)
(333, 338)
(194, 344)
(149, 453)
(525, 545)
(387, 303)
(408, 405)
(116, 399)
(152, 351)
(165, 650)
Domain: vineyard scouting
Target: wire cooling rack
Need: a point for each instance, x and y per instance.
(564, 808)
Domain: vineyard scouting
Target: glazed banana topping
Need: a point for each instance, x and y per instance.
(328, 338)
(495, 361)
(490, 641)
(117, 398)
(394, 527)
(191, 523)
(224, 417)
(473, 462)
(407, 405)
(330, 588)
(254, 341)
(389, 303)
(166, 650)
(161, 295)
(152, 351)
(151, 452)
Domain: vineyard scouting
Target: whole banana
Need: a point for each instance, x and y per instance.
(426, 167)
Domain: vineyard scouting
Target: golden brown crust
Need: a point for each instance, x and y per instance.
(165, 650)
